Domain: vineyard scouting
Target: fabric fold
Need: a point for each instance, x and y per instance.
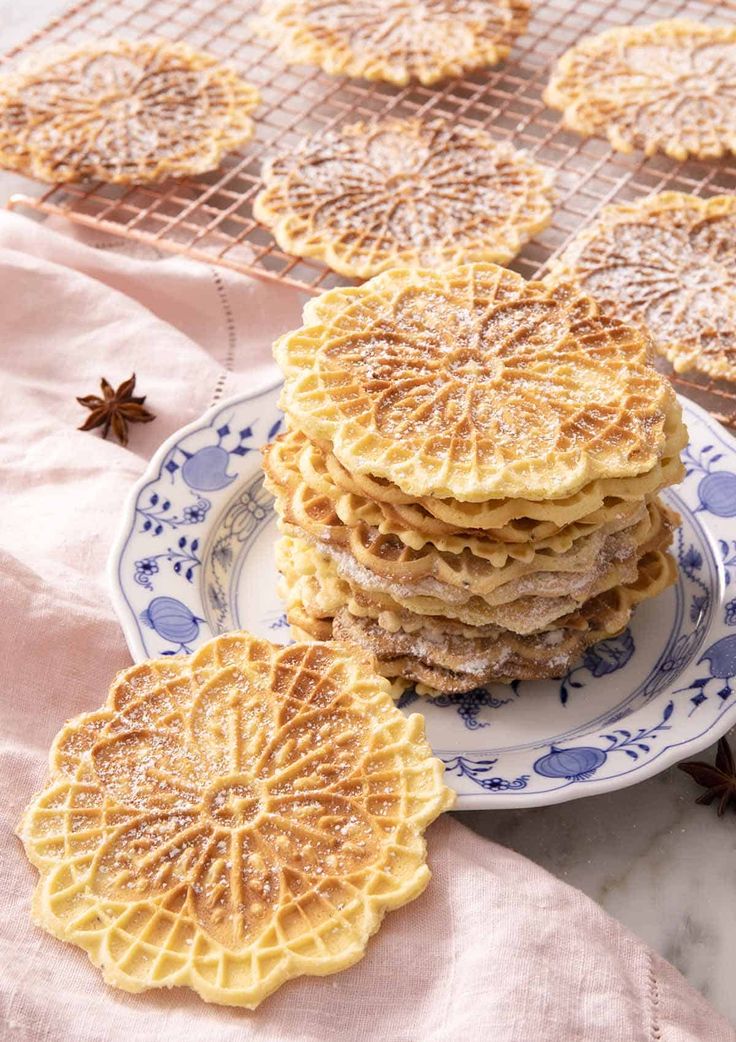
(496, 947)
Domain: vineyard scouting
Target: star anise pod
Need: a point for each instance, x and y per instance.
(115, 409)
(719, 781)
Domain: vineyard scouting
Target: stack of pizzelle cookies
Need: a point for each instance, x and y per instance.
(468, 483)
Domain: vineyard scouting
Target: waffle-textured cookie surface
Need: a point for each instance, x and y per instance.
(122, 111)
(394, 40)
(472, 564)
(315, 493)
(368, 197)
(233, 820)
(666, 87)
(521, 606)
(669, 262)
(475, 384)
(444, 655)
(457, 578)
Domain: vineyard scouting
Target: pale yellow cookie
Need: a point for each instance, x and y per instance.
(524, 614)
(440, 655)
(393, 40)
(312, 517)
(369, 197)
(332, 582)
(314, 489)
(666, 87)
(449, 664)
(668, 262)
(122, 111)
(475, 385)
(457, 578)
(235, 819)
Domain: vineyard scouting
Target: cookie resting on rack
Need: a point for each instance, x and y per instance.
(666, 87)
(234, 819)
(393, 40)
(668, 262)
(126, 112)
(476, 385)
(368, 197)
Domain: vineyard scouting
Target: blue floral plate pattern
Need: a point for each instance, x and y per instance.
(195, 557)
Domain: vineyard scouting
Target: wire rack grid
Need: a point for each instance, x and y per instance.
(210, 217)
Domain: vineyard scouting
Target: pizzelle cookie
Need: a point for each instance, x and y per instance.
(518, 610)
(467, 486)
(475, 385)
(666, 87)
(315, 592)
(368, 197)
(447, 656)
(233, 820)
(393, 40)
(667, 261)
(318, 494)
(474, 563)
(457, 578)
(438, 664)
(122, 111)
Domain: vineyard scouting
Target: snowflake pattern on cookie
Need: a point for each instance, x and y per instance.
(234, 819)
(474, 384)
(667, 262)
(394, 40)
(369, 197)
(120, 111)
(667, 87)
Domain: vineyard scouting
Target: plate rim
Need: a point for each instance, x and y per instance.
(152, 472)
(474, 800)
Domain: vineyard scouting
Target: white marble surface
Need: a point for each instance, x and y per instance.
(656, 861)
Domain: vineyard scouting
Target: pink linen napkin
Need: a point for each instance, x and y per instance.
(495, 948)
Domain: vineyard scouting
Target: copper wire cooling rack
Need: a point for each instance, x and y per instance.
(209, 218)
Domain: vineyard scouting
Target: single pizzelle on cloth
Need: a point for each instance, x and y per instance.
(468, 483)
(234, 819)
(668, 262)
(126, 112)
(393, 40)
(666, 87)
(429, 194)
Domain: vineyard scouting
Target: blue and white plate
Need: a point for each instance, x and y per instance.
(195, 558)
